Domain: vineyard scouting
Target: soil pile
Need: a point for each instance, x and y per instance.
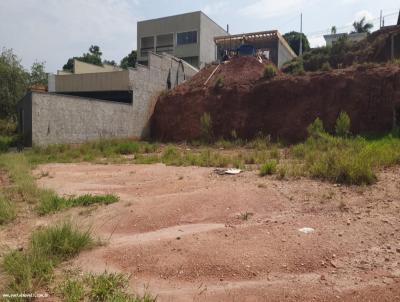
(250, 70)
(377, 46)
(282, 107)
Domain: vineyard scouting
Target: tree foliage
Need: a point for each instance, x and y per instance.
(319, 58)
(129, 60)
(293, 39)
(14, 81)
(38, 74)
(362, 26)
(92, 57)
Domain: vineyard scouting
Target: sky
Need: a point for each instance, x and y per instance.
(52, 31)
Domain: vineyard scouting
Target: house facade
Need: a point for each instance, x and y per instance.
(189, 37)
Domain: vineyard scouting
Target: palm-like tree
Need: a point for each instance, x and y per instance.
(362, 26)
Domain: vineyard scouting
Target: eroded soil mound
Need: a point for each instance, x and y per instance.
(282, 107)
(377, 46)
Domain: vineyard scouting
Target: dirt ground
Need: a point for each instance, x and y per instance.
(188, 234)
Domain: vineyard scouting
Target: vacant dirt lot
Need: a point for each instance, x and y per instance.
(188, 234)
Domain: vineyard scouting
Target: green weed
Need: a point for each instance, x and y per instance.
(268, 168)
(33, 268)
(57, 203)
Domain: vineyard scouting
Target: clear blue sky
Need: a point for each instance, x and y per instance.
(54, 30)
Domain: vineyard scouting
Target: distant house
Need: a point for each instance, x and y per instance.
(271, 43)
(187, 36)
(354, 37)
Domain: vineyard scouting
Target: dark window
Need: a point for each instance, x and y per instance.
(189, 37)
(165, 43)
(146, 45)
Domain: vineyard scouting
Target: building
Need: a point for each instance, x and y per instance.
(84, 106)
(80, 67)
(354, 37)
(271, 43)
(187, 36)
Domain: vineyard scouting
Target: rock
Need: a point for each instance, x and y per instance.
(323, 277)
(398, 250)
(178, 238)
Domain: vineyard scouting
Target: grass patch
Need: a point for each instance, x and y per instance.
(110, 149)
(102, 288)
(268, 168)
(351, 161)
(32, 269)
(6, 142)
(7, 211)
(57, 203)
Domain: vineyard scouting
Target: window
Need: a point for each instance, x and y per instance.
(189, 37)
(146, 45)
(165, 43)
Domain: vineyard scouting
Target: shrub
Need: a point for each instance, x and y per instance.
(8, 127)
(269, 72)
(295, 67)
(206, 127)
(5, 143)
(268, 168)
(316, 128)
(342, 127)
(219, 83)
(326, 67)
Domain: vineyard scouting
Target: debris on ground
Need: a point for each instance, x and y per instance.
(227, 171)
(307, 230)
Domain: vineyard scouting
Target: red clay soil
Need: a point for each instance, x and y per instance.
(282, 107)
(181, 232)
(376, 47)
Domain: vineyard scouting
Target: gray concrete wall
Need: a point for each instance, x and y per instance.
(208, 30)
(147, 82)
(284, 55)
(54, 119)
(102, 81)
(64, 119)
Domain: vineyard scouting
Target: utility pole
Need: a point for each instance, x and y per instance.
(301, 35)
(380, 21)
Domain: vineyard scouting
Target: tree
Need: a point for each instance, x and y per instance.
(112, 62)
(38, 74)
(92, 57)
(293, 39)
(362, 26)
(333, 30)
(14, 81)
(129, 60)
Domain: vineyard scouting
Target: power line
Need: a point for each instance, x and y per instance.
(349, 26)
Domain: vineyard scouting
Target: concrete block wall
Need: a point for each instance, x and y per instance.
(60, 119)
(50, 118)
(148, 82)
